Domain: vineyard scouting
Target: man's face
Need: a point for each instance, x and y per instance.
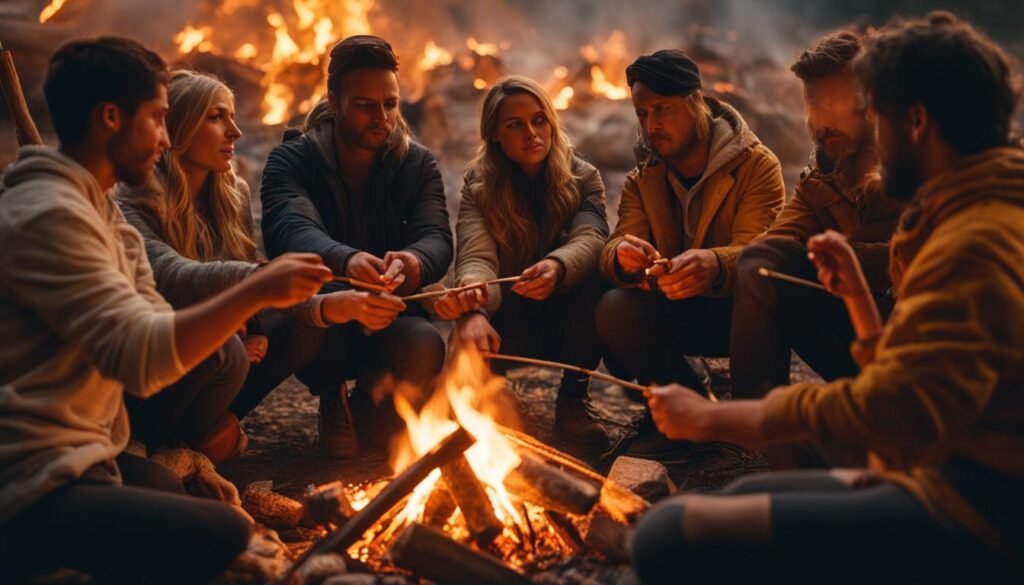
(900, 175)
(366, 110)
(136, 147)
(836, 118)
(666, 122)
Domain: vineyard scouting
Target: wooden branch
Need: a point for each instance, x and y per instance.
(362, 284)
(328, 503)
(24, 126)
(537, 482)
(348, 533)
(459, 289)
(559, 365)
(432, 554)
(439, 507)
(271, 508)
(471, 497)
(793, 279)
(619, 502)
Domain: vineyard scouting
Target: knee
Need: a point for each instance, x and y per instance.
(657, 545)
(425, 347)
(613, 317)
(232, 362)
(224, 534)
(751, 484)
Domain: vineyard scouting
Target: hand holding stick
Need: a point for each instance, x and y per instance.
(793, 279)
(456, 290)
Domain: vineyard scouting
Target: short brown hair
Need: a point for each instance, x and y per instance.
(961, 77)
(832, 53)
(87, 72)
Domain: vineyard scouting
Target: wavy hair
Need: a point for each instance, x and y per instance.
(506, 214)
(193, 227)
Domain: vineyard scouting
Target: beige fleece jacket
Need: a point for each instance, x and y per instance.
(82, 323)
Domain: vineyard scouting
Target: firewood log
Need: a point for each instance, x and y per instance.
(536, 482)
(430, 553)
(470, 496)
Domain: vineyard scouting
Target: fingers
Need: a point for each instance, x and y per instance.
(648, 249)
(394, 269)
(385, 301)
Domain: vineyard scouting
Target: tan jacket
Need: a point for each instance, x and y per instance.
(861, 213)
(741, 192)
(83, 324)
(945, 380)
(477, 258)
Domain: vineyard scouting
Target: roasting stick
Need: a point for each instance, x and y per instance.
(459, 289)
(591, 373)
(558, 365)
(361, 284)
(793, 279)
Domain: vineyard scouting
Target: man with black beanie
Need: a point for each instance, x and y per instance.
(704, 187)
(354, 188)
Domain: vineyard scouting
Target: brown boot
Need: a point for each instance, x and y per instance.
(224, 440)
(575, 423)
(337, 430)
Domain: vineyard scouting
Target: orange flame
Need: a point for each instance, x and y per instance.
(51, 10)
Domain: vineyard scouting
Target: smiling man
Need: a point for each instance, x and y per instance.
(705, 187)
(839, 190)
(355, 189)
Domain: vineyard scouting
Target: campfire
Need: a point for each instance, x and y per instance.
(472, 501)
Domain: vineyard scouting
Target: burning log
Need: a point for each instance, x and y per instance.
(348, 533)
(608, 536)
(328, 503)
(537, 482)
(271, 508)
(430, 553)
(469, 494)
(622, 504)
(439, 507)
(565, 529)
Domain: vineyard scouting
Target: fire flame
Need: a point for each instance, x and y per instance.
(51, 10)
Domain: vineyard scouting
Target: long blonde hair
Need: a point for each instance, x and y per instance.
(507, 214)
(193, 227)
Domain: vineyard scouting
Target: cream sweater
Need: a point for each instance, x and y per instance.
(81, 322)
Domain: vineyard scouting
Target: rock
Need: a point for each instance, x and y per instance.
(645, 478)
(321, 568)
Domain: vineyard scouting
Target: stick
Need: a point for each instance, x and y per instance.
(793, 279)
(444, 452)
(24, 127)
(430, 553)
(559, 365)
(459, 289)
(362, 284)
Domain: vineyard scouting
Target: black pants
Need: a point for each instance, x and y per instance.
(822, 531)
(770, 317)
(411, 350)
(146, 531)
(559, 328)
(187, 409)
(650, 335)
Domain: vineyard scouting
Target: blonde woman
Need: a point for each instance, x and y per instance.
(196, 219)
(531, 207)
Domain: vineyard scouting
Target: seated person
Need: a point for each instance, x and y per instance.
(196, 219)
(531, 207)
(940, 399)
(78, 300)
(840, 190)
(357, 190)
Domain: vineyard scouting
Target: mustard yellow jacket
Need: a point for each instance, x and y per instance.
(945, 380)
(741, 191)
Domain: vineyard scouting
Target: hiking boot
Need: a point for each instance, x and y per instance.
(573, 420)
(650, 443)
(335, 427)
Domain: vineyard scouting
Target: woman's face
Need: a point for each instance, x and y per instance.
(214, 144)
(524, 132)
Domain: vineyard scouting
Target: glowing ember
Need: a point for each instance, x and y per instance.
(561, 72)
(51, 10)
(191, 38)
(479, 83)
(482, 49)
(246, 52)
(561, 100)
(434, 56)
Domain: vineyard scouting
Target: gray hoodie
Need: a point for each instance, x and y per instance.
(83, 323)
